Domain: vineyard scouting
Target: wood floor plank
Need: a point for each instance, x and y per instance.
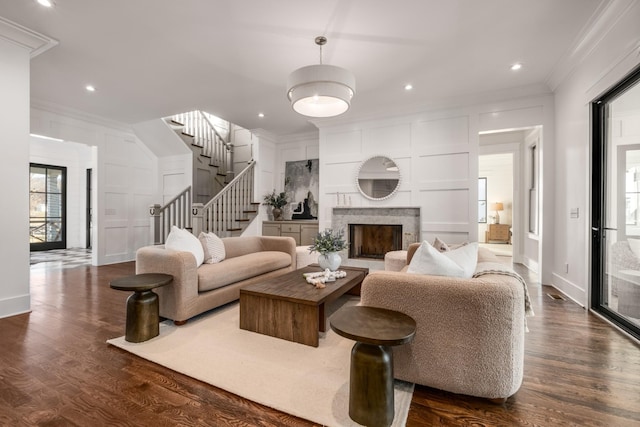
(57, 370)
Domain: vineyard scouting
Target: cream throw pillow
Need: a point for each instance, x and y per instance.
(459, 262)
(440, 245)
(182, 240)
(213, 248)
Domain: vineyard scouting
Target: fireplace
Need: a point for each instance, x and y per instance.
(372, 241)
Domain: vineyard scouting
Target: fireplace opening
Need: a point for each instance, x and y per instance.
(373, 241)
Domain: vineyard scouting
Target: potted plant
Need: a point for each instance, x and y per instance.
(328, 243)
(277, 202)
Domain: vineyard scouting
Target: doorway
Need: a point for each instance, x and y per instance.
(615, 228)
(496, 218)
(47, 207)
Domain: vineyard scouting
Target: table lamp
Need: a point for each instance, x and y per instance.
(497, 206)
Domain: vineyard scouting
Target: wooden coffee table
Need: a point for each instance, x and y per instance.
(288, 307)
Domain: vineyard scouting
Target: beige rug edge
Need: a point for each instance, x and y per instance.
(308, 382)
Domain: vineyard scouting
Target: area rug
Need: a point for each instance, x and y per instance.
(308, 382)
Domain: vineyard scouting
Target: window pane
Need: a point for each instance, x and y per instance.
(37, 179)
(54, 181)
(37, 205)
(37, 228)
(54, 205)
(54, 231)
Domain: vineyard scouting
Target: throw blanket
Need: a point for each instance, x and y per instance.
(500, 268)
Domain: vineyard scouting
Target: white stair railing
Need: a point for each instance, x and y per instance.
(197, 124)
(223, 214)
(175, 212)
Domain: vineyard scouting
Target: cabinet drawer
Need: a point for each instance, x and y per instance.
(296, 236)
(307, 234)
(270, 230)
(290, 228)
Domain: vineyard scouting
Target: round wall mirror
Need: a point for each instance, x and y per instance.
(378, 178)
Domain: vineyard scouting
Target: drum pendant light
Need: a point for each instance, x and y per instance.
(321, 90)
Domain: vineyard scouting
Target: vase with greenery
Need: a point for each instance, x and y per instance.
(328, 243)
(277, 201)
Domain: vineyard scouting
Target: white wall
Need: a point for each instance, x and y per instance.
(265, 154)
(77, 159)
(14, 174)
(175, 175)
(125, 177)
(437, 153)
(437, 157)
(610, 56)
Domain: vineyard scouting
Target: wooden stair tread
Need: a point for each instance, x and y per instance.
(188, 134)
(248, 211)
(234, 229)
(243, 220)
(175, 122)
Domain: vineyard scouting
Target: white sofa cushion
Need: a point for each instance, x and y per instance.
(459, 262)
(182, 240)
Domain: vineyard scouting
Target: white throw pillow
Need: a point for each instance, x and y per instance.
(213, 248)
(634, 244)
(182, 240)
(459, 262)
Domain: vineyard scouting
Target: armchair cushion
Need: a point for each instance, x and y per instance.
(459, 262)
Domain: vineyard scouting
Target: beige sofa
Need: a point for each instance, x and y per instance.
(470, 332)
(197, 289)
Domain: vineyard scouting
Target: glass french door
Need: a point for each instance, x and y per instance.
(47, 207)
(615, 228)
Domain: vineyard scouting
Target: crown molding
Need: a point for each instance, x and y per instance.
(71, 113)
(34, 42)
(595, 30)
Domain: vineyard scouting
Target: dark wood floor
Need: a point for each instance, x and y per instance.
(57, 370)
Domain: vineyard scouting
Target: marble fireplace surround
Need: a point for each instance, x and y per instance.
(408, 217)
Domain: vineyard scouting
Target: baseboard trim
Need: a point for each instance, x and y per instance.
(15, 305)
(569, 289)
(530, 264)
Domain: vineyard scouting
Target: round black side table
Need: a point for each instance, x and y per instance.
(143, 318)
(375, 330)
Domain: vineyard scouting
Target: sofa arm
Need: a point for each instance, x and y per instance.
(470, 332)
(180, 294)
(281, 244)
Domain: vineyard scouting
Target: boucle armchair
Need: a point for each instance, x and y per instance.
(195, 290)
(470, 332)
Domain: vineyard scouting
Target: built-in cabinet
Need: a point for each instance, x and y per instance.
(302, 231)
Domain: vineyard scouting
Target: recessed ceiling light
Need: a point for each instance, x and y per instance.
(46, 3)
(408, 86)
(261, 115)
(516, 66)
(90, 88)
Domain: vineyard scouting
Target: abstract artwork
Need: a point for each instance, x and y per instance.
(302, 186)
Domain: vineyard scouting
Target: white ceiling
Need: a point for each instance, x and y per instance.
(153, 58)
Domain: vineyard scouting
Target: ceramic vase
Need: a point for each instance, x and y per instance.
(330, 260)
(277, 214)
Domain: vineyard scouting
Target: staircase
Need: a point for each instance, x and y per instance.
(219, 201)
(213, 153)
